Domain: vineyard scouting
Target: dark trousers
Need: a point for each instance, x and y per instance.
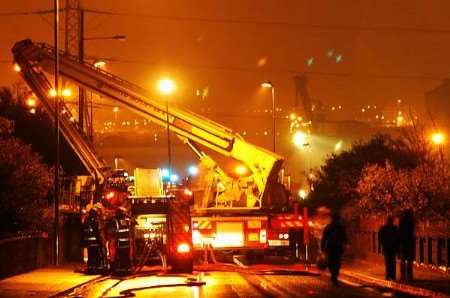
(334, 265)
(389, 263)
(406, 269)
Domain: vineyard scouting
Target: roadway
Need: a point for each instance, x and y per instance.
(227, 283)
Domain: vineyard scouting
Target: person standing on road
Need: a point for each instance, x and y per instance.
(406, 231)
(388, 239)
(333, 240)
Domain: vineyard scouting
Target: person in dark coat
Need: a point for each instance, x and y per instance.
(406, 231)
(388, 239)
(332, 244)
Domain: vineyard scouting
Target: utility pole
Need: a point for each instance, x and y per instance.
(57, 107)
(74, 45)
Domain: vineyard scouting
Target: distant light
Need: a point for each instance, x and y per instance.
(99, 63)
(31, 102)
(240, 170)
(292, 116)
(400, 120)
(66, 92)
(438, 138)
(165, 173)
(173, 178)
(166, 86)
(302, 194)
(300, 139)
(267, 85)
(33, 111)
(338, 58)
(115, 109)
(330, 53)
(52, 92)
(193, 170)
(310, 61)
(338, 146)
(17, 67)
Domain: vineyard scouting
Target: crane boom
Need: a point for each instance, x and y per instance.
(36, 58)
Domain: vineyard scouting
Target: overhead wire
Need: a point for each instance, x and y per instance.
(241, 21)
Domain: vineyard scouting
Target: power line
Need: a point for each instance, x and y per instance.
(281, 70)
(269, 23)
(241, 22)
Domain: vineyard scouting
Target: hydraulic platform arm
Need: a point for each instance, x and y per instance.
(39, 84)
(263, 164)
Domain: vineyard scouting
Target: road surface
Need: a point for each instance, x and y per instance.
(226, 284)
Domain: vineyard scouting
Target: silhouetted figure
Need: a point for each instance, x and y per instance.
(388, 239)
(406, 230)
(333, 240)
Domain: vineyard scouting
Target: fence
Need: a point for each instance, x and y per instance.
(432, 241)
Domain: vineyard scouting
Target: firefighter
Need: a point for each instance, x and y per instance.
(121, 250)
(92, 240)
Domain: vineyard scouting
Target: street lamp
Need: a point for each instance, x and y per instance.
(115, 110)
(166, 86)
(269, 85)
(300, 139)
(438, 138)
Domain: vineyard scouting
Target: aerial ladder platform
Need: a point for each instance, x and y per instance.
(37, 59)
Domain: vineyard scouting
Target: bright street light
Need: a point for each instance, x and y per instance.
(438, 138)
(166, 86)
(300, 139)
(267, 85)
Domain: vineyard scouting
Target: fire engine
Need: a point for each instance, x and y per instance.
(226, 211)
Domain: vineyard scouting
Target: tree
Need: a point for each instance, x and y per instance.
(424, 189)
(36, 129)
(336, 181)
(25, 182)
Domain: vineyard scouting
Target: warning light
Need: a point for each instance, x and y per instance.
(183, 248)
(193, 170)
(165, 173)
(173, 178)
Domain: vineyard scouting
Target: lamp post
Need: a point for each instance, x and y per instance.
(166, 86)
(56, 87)
(272, 88)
